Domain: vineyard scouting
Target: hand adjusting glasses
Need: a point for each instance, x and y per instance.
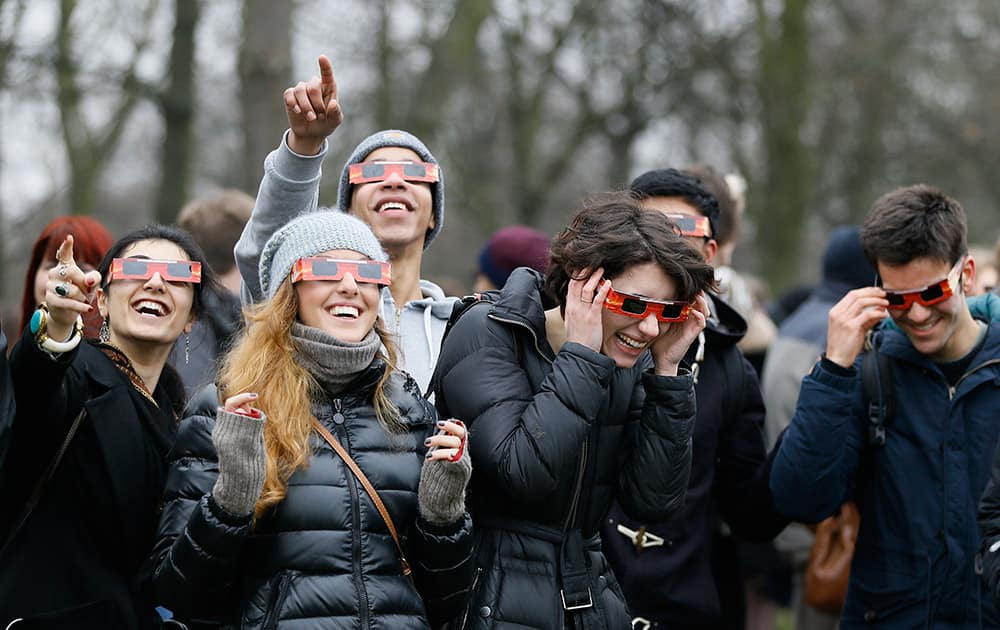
(926, 296)
(641, 308)
(315, 268)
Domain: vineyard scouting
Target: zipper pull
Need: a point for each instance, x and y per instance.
(338, 417)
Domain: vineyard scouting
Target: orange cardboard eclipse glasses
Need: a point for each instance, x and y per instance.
(641, 308)
(379, 171)
(690, 225)
(927, 296)
(144, 268)
(369, 271)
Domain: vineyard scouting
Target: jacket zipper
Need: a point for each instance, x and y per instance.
(953, 388)
(472, 593)
(273, 613)
(352, 485)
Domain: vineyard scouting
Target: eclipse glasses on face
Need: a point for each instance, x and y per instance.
(380, 171)
(927, 296)
(690, 225)
(144, 268)
(369, 271)
(641, 308)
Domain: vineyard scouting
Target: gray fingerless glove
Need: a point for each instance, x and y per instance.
(239, 441)
(441, 495)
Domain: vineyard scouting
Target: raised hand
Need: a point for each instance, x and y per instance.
(849, 322)
(671, 346)
(313, 110)
(448, 443)
(68, 291)
(585, 309)
(445, 474)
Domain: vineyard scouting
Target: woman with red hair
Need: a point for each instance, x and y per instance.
(90, 241)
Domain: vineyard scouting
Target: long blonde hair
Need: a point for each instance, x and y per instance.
(263, 361)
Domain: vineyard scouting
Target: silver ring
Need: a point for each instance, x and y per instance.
(62, 270)
(585, 301)
(62, 290)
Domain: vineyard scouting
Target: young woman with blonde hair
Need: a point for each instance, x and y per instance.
(265, 524)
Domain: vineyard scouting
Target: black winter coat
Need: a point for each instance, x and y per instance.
(324, 557)
(667, 577)
(79, 557)
(555, 437)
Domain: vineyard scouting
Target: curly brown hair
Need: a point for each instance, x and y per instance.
(614, 232)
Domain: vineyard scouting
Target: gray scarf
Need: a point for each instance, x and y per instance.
(332, 362)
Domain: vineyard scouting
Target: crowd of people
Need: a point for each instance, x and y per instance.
(267, 417)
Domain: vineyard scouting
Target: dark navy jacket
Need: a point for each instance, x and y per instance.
(915, 564)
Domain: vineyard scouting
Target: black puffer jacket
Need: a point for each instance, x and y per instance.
(324, 558)
(667, 575)
(555, 438)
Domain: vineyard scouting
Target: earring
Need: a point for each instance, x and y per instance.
(105, 333)
(187, 348)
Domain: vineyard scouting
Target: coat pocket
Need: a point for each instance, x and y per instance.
(280, 585)
(888, 586)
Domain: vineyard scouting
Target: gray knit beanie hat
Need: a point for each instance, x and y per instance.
(311, 234)
(395, 138)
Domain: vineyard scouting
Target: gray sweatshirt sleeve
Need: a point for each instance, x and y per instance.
(290, 187)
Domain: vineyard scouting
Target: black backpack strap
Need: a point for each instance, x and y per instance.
(736, 381)
(879, 392)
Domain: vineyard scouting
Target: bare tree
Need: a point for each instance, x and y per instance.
(177, 105)
(265, 70)
(88, 145)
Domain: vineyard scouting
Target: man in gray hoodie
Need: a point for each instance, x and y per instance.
(396, 186)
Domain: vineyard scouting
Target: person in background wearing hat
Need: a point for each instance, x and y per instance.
(509, 248)
(665, 567)
(391, 181)
(801, 340)
(264, 524)
(215, 222)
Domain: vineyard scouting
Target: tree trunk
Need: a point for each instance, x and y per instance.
(177, 104)
(265, 72)
(782, 201)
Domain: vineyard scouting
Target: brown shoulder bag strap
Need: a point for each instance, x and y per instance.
(369, 488)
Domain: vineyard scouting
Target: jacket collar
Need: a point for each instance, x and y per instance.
(521, 299)
(894, 343)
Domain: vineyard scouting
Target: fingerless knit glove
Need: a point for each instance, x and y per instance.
(441, 494)
(239, 442)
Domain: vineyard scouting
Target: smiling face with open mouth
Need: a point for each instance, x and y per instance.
(399, 212)
(625, 338)
(345, 308)
(151, 311)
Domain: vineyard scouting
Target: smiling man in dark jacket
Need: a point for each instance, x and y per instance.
(915, 563)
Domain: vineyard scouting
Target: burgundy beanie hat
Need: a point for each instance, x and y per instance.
(512, 247)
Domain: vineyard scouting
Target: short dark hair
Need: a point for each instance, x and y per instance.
(670, 182)
(914, 222)
(614, 232)
(177, 236)
(216, 223)
(727, 226)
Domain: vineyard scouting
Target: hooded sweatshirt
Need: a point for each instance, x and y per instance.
(290, 187)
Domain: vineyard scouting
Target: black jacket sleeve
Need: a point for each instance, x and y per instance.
(7, 408)
(989, 525)
(198, 546)
(743, 469)
(657, 468)
(524, 443)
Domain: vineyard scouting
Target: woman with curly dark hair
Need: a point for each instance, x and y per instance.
(572, 386)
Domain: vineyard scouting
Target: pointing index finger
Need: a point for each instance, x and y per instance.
(65, 252)
(329, 86)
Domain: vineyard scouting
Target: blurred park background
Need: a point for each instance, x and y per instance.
(125, 109)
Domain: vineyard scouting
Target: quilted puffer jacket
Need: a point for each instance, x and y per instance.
(555, 437)
(323, 558)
